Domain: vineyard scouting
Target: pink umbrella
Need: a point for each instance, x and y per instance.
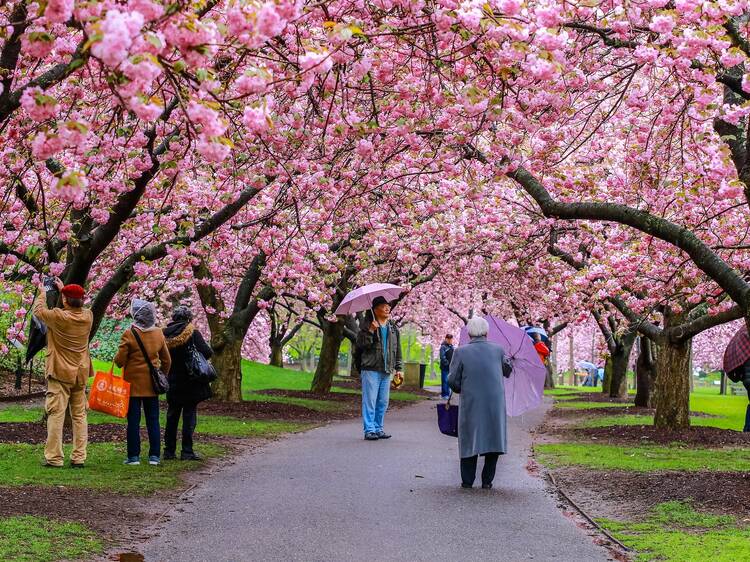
(524, 390)
(361, 299)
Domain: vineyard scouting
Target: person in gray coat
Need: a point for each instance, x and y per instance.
(476, 373)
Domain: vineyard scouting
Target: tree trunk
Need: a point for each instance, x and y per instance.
(228, 364)
(277, 357)
(673, 386)
(549, 381)
(645, 373)
(328, 364)
(607, 380)
(618, 386)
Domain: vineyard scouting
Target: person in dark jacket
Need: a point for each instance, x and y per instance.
(379, 347)
(184, 394)
(446, 354)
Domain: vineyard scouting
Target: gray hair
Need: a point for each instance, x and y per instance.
(477, 327)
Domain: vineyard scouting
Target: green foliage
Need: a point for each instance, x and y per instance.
(38, 539)
(675, 532)
(107, 339)
(20, 465)
(643, 458)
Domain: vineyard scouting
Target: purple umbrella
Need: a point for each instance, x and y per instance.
(361, 299)
(524, 390)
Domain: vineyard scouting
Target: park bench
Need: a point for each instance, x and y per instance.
(737, 389)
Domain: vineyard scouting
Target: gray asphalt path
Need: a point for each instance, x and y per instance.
(327, 495)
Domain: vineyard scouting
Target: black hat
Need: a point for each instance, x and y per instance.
(377, 301)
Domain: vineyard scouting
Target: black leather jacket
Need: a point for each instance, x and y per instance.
(370, 350)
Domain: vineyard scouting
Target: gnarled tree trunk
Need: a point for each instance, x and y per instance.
(645, 371)
(672, 386)
(277, 356)
(607, 380)
(618, 386)
(333, 336)
(228, 364)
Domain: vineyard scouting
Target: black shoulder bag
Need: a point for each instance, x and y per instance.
(158, 378)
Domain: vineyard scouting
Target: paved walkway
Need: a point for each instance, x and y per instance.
(327, 495)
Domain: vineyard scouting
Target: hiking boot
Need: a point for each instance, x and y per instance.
(383, 435)
(45, 464)
(487, 486)
(466, 486)
(132, 461)
(76, 464)
(190, 457)
(169, 457)
(370, 436)
(154, 461)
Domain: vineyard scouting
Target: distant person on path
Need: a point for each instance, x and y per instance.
(446, 354)
(184, 394)
(135, 370)
(67, 369)
(379, 346)
(476, 373)
(541, 348)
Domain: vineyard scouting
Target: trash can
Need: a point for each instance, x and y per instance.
(411, 375)
(422, 371)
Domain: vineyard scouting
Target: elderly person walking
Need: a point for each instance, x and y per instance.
(184, 394)
(476, 373)
(68, 367)
(136, 371)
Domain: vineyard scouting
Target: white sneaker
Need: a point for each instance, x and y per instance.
(132, 462)
(154, 461)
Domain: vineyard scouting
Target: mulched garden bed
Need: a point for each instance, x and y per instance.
(112, 515)
(33, 433)
(268, 410)
(9, 392)
(355, 384)
(648, 434)
(629, 495)
(566, 413)
(594, 397)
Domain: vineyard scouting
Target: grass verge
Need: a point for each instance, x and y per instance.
(21, 465)
(674, 532)
(38, 539)
(644, 458)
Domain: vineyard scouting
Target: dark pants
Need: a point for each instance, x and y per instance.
(469, 469)
(445, 390)
(151, 412)
(189, 419)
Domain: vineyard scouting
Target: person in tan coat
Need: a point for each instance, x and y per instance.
(67, 369)
(135, 370)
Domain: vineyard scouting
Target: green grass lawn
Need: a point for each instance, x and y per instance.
(207, 424)
(674, 532)
(21, 465)
(37, 539)
(579, 405)
(643, 458)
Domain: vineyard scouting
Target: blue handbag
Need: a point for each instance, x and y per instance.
(448, 418)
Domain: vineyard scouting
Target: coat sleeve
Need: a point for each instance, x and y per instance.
(201, 345)
(456, 374)
(121, 357)
(399, 366)
(165, 359)
(40, 310)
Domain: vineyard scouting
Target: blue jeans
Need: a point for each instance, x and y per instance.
(376, 388)
(151, 411)
(445, 390)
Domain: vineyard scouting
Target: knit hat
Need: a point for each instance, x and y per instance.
(73, 291)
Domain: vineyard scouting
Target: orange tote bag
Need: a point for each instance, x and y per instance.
(109, 394)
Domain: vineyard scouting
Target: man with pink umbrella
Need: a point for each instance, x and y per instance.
(377, 351)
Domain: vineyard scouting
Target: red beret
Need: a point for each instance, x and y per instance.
(73, 291)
